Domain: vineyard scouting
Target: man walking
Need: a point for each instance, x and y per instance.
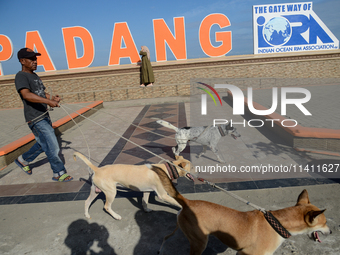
(35, 100)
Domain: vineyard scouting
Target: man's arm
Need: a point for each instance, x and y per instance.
(33, 98)
(54, 98)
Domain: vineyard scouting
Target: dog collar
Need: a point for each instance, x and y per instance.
(276, 225)
(172, 171)
(221, 130)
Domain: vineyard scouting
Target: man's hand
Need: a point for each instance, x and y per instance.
(52, 103)
(56, 98)
(33, 98)
(53, 98)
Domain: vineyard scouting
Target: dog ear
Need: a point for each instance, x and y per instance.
(176, 157)
(303, 198)
(312, 215)
(182, 164)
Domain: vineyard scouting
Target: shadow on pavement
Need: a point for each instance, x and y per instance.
(154, 226)
(85, 238)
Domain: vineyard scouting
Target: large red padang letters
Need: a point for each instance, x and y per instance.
(73, 60)
(175, 42)
(223, 37)
(35, 42)
(6, 50)
(123, 45)
(121, 32)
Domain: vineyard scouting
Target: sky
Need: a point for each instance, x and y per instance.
(98, 17)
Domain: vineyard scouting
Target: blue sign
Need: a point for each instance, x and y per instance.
(291, 27)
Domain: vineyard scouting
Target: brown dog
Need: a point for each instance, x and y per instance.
(137, 178)
(246, 232)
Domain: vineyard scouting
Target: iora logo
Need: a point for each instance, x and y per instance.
(290, 27)
(239, 102)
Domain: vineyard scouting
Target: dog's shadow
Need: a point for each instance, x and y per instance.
(154, 226)
(88, 238)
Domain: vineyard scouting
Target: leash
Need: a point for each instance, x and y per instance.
(28, 122)
(87, 145)
(126, 139)
(273, 222)
(48, 109)
(169, 162)
(232, 195)
(270, 218)
(137, 126)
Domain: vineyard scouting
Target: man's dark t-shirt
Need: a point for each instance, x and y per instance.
(32, 82)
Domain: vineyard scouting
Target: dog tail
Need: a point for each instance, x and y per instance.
(167, 124)
(86, 161)
(168, 185)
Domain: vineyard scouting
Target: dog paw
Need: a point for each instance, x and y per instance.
(88, 216)
(118, 217)
(147, 210)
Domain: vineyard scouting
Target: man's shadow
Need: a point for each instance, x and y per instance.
(86, 238)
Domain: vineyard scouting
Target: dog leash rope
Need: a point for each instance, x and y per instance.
(169, 162)
(36, 118)
(233, 195)
(137, 126)
(88, 147)
(126, 139)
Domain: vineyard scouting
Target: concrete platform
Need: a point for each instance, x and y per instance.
(42, 216)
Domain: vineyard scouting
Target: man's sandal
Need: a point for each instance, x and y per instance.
(62, 178)
(24, 168)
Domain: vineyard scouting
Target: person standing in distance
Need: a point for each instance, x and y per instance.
(146, 73)
(35, 100)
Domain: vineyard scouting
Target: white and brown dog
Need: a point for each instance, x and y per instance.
(252, 232)
(134, 177)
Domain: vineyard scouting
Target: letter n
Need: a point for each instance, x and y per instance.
(164, 36)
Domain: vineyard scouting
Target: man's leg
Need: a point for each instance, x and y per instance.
(24, 160)
(31, 155)
(45, 136)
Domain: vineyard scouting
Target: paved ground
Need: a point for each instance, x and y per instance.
(61, 228)
(40, 216)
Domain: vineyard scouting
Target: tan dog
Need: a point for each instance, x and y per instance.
(246, 232)
(135, 177)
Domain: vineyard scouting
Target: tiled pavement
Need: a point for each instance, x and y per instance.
(31, 226)
(104, 148)
(256, 147)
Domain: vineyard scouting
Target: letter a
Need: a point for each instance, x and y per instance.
(34, 42)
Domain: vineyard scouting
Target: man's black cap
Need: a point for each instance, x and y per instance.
(27, 53)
